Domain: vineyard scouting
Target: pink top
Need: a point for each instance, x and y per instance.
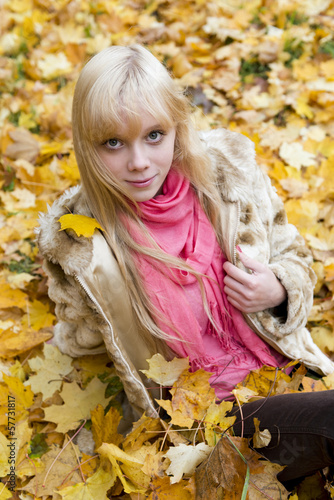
(179, 225)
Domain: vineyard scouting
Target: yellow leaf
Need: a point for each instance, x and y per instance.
(217, 422)
(136, 481)
(165, 372)
(57, 467)
(144, 429)
(38, 316)
(81, 224)
(10, 297)
(177, 417)
(4, 447)
(163, 490)
(14, 342)
(77, 405)
(324, 338)
(192, 394)
(94, 488)
(50, 371)
(14, 390)
(104, 427)
(263, 379)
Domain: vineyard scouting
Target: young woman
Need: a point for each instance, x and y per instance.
(196, 259)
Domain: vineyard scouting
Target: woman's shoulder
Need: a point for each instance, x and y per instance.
(64, 247)
(228, 141)
(233, 160)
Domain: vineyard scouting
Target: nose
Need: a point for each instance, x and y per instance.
(138, 159)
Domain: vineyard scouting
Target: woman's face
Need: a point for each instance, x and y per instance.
(140, 163)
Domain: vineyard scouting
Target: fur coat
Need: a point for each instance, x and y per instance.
(92, 304)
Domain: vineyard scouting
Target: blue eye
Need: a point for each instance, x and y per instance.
(113, 143)
(155, 136)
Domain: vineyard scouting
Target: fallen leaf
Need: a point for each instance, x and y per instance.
(260, 438)
(94, 488)
(77, 405)
(81, 224)
(185, 458)
(104, 426)
(50, 371)
(165, 372)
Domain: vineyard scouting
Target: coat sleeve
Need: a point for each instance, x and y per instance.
(79, 326)
(263, 230)
(289, 259)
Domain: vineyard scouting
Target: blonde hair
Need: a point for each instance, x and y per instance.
(112, 88)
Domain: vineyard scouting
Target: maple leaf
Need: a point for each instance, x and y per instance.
(38, 315)
(223, 473)
(50, 371)
(143, 430)
(216, 421)
(294, 154)
(264, 380)
(135, 481)
(81, 224)
(22, 395)
(163, 490)
(185, 458)
(15, 341)
(56, 468)
(77, 405)
(192, 393)
(165, 372)
(10, 297)
(94, 488)
(104, 426)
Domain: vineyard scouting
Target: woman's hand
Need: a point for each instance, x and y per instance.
(252, 292)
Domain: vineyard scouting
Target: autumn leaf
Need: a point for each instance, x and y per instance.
(260, 438)
(58, 465)
(224, 472)
(104, 426)
(50, 371)
(81, 224)
(163, 490)
(274, 85)
(184, 459)
(38, 316)
(77, 405)
(216, 421)
(135, 481)
(95, 487)
(23, 397)
(165, 372)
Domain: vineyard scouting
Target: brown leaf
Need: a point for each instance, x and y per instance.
(222, 475)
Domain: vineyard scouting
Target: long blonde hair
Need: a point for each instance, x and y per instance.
(112, 88)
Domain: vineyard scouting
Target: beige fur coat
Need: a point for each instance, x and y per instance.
(92, 304)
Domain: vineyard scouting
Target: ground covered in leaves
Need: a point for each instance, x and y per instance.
(264, 68)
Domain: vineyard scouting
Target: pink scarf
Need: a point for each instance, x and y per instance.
(177, 222)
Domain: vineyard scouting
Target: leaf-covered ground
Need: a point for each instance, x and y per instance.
(263, 68)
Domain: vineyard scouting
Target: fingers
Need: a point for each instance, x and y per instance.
(235, 273)
(250, 263)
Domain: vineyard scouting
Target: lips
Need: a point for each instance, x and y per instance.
(142, 183)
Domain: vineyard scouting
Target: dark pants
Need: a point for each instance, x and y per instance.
(302, 429)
